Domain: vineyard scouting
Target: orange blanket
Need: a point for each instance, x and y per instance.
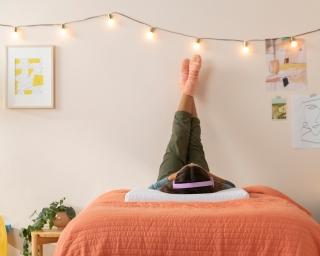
(268, 223)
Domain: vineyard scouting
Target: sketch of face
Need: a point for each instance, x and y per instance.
(312, 118)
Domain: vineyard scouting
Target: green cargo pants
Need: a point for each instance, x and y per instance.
(184, 146)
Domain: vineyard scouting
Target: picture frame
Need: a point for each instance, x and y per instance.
(30, 76)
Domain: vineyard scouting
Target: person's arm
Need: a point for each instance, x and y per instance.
(159, 184)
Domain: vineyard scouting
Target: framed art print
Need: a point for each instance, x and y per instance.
(30, 77)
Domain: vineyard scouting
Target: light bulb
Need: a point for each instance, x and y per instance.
(245, 48)
(196, 45)
(63, 30)
(150, 33)
(110, 20)
(15, 33)
(293, 43)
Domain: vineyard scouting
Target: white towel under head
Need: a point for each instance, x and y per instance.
(150, 195)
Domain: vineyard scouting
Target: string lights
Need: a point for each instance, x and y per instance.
(245, 48)
(196, 44)
(15, 33)
(110, 20)
(293, 43)
(151, 32)
(63, 30)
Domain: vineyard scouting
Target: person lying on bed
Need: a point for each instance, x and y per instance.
(184, 169)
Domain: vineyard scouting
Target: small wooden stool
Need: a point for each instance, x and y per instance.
(39, 238)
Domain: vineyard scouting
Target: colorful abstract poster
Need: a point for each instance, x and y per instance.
(286, 65)
(279, 108)
(306, 121)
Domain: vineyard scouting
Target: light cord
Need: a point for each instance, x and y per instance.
(155, 27)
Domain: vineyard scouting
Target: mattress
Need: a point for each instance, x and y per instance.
(267, 223)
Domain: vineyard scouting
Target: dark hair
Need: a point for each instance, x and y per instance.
(190, 173)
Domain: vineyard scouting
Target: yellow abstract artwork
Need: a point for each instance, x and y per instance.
(29, 79)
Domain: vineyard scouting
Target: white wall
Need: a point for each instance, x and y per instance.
(116, 95)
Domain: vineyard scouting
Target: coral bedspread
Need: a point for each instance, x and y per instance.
(268, 223)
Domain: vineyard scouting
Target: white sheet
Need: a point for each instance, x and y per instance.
(150, 195)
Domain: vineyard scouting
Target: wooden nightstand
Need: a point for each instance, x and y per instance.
(39, 238)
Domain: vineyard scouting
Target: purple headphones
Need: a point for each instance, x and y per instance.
(192, 184)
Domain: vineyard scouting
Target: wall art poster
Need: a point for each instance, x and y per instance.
(286, 65)
(30, 77)
(306, 121)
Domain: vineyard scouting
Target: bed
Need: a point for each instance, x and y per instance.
(268, 223)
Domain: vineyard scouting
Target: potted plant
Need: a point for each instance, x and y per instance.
(57, 214)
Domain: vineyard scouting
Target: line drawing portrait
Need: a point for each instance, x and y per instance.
(310, 130)
(306, 121)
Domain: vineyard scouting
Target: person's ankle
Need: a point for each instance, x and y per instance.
(185, 94)
(188, 91)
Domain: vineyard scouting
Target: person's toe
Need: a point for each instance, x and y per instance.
(196, 58)
(195, 65)
(194, 69)
(184, 71)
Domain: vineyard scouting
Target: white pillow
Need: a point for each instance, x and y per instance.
(150, 195)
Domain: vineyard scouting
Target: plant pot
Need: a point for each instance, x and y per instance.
(61, 220)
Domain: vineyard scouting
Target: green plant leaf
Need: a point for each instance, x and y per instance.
(46, 216)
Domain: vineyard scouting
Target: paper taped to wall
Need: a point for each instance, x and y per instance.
(306, 121)
(286, 65)
(279, 108)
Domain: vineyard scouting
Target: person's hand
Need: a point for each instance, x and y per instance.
(173, 176)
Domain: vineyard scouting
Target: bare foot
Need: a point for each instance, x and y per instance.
(184, 73)
(193, 74)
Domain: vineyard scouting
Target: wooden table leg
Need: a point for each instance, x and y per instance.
(34, 245)
(39, 238)
(40, 247)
